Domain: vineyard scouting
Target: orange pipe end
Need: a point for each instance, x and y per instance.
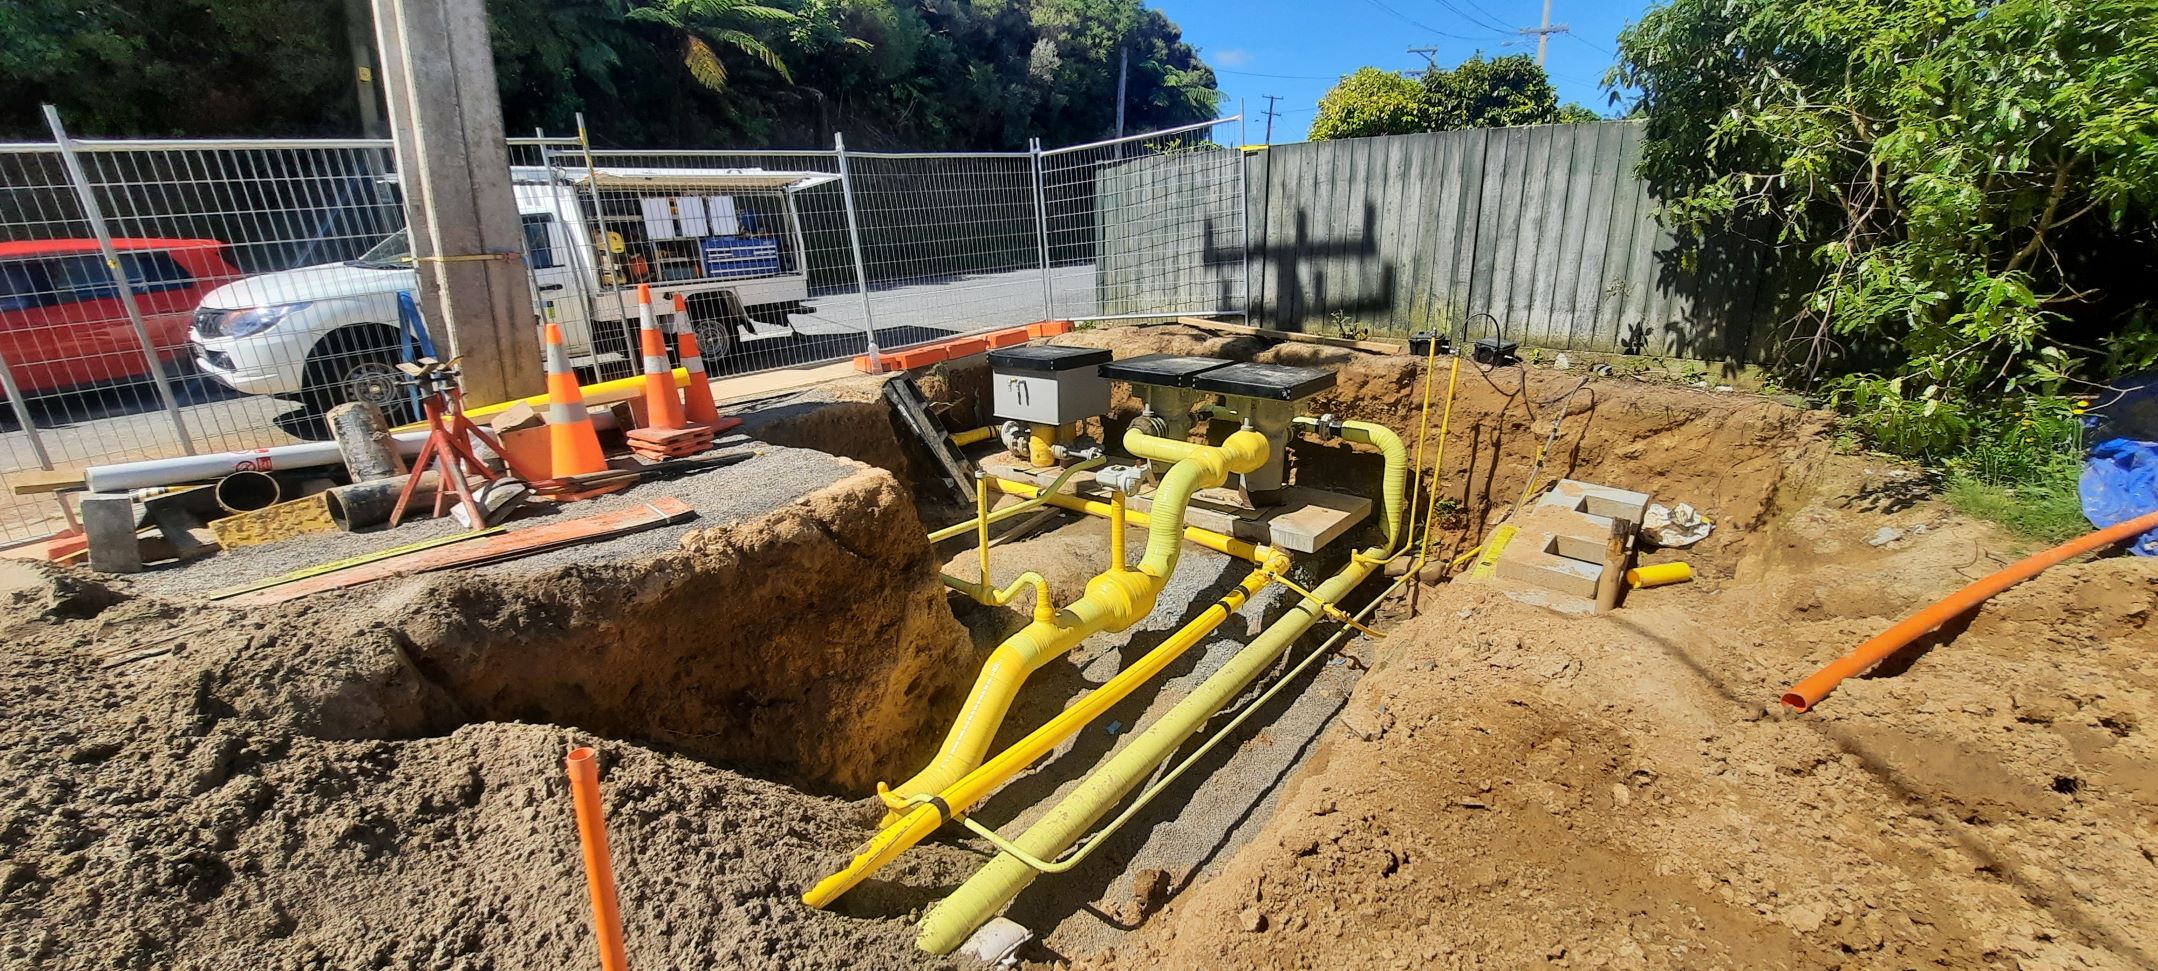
(1808, 693)
(583, 765)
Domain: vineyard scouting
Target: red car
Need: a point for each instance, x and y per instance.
(62, 324)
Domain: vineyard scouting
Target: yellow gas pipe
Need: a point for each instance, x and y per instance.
(950, 921)
(1032, 500)
(1207, 538)
(1114, 600)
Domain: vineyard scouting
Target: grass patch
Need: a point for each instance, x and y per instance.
(2041, 506)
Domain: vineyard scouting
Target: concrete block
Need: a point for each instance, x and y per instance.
(109, 523)
(1599, 502)
(1557, 548)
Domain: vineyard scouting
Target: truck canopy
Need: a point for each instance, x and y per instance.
(625, 177)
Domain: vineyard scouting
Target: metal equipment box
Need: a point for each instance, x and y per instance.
(1048, 385)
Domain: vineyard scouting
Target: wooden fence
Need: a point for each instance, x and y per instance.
(1546, 229)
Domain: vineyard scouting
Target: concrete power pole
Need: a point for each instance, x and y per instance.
(1543, 33)
(1123, 67)
(359, 37)
(446, 119)
(1270, 113)
(1431, 61)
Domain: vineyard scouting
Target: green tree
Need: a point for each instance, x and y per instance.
(703, 26)
(1976, 183)
(1372, 102)
(918, 74)
(1497, 93)
(1478, 93)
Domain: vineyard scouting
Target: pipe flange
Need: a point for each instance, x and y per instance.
(1014, 435)
(1328, 427)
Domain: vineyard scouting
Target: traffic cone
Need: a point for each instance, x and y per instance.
(697, 403)
(572, 442)
(662, 409)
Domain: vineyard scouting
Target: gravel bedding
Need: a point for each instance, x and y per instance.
(776, 476)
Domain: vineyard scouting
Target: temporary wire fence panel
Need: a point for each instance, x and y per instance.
(1148, 226)
(266, 273)
(949, 243)
(755, 242)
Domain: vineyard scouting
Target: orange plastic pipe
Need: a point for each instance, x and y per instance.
(1808, 693)
(598, 865)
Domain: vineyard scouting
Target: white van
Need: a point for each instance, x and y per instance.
(728, 240)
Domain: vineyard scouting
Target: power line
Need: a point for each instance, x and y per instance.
(1479, 8)
(1285, 77)
(1413, 22)
(1270, 113)
(1491, 25)
(1590, 46)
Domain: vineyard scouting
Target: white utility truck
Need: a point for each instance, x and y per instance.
(728, 240)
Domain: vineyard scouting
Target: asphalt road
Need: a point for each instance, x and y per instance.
(123, 423)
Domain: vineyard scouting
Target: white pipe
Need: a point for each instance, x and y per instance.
(153, 473)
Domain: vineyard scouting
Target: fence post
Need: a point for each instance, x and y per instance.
(96, 217)
(1243, 219)
(1041, 228)
(854, 241)
(22, 412)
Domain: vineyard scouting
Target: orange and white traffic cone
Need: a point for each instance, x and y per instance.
(662, 408)
(572, 441)
(697, 403)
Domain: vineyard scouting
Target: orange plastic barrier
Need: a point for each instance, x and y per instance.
(924, 355)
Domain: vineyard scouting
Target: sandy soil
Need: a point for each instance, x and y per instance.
(1514, 788)
(373, 778)
(369, 779)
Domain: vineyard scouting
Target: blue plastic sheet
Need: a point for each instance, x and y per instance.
(2119, 483)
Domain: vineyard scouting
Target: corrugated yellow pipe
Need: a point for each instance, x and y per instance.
(972, 435)
(914, 819)
(947, 925)
(1114, 600)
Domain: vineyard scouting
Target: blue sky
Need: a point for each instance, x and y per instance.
(1297, 49)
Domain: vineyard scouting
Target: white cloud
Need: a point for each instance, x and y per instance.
(1232, 57)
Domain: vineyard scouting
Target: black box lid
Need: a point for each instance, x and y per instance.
(1046, 357)
(1167, 370)
(1278, 382)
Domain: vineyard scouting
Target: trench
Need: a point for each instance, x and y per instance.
(815, 647)
(810, 646)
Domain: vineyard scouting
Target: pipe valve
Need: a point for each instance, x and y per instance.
(1121, 478)
(1079, 450)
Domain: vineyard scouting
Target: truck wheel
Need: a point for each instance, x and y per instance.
(358, 364)
(718, 338)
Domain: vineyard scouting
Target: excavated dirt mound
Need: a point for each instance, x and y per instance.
(1513, 788)
(335, 783)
